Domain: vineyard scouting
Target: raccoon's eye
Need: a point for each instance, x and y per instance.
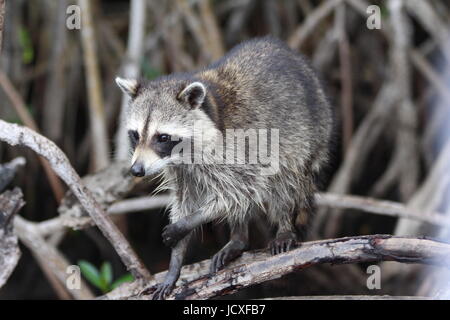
(134, 138)
(163, 138)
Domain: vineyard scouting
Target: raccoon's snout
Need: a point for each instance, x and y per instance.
(137, 169)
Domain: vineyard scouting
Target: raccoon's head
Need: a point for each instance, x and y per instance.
(162, 114)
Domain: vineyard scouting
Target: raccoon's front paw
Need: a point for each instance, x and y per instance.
(173, 233)
(163, 290)
(283, 243)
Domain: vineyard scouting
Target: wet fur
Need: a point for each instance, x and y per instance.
(259, 84)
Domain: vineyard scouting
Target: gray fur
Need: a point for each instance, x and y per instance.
(260, 84)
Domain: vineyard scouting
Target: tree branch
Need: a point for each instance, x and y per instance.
(381, 207)
(259, 266)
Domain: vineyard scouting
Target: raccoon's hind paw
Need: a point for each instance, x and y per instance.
(229, 252)
(283, 243)
(163, 290)
(173, 233)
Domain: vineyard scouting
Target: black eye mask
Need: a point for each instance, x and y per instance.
(134, 138)
(163, 144)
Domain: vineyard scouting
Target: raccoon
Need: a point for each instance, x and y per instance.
(260, 85)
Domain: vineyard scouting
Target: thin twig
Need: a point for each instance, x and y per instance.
(381, 207)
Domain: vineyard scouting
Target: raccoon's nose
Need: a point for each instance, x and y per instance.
(137, 169)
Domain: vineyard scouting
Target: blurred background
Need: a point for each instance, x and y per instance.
(385, 65)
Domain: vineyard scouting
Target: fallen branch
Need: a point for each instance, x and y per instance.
(259, 266)
(18, 135)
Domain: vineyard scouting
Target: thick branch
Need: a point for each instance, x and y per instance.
(259, 266)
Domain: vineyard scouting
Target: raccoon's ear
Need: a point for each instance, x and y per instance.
(128, 86)
(194, 94)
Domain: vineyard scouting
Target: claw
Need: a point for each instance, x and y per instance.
(162, 291)
(282, 243)
(229, 252)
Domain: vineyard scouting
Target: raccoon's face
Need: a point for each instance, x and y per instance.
(163, 114)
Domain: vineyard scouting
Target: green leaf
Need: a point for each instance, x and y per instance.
(125, 278)
(106, 273)
(27, 45)
(91, 273)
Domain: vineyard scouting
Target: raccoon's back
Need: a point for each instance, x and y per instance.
(262, 83)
